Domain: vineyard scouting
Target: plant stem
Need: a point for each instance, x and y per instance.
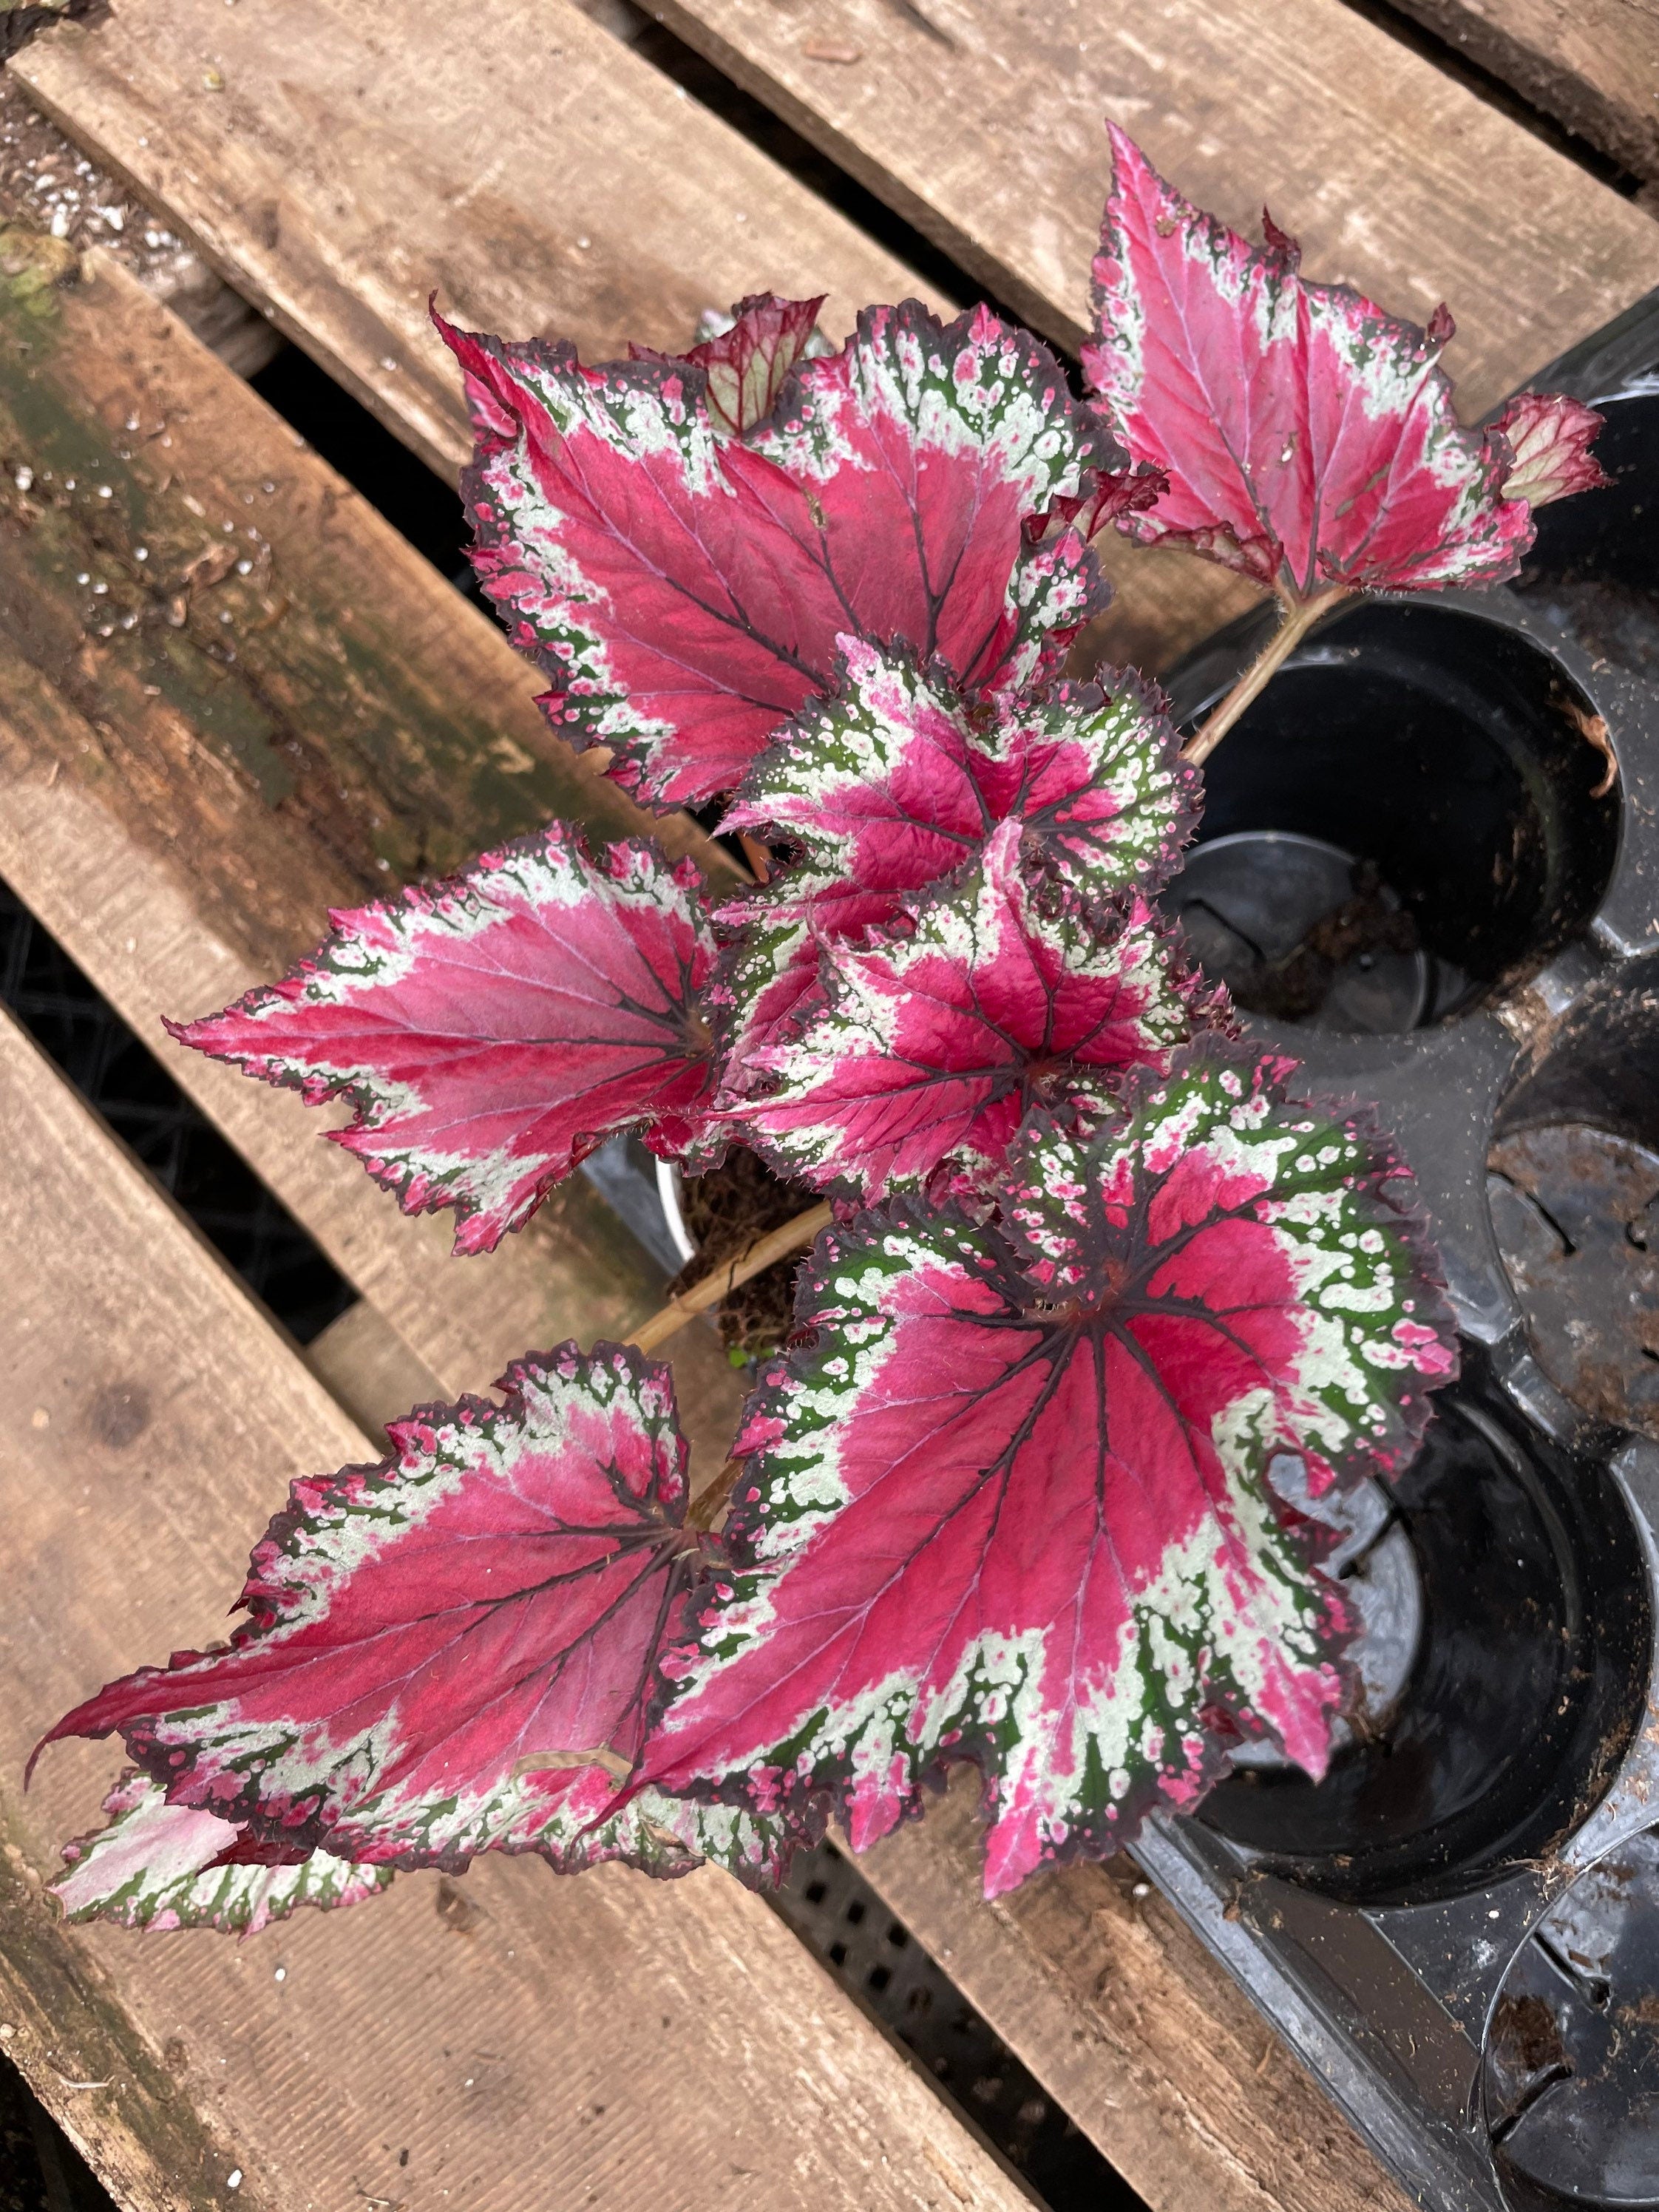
(706, 1509)
(776, 1244)
(1299, 618)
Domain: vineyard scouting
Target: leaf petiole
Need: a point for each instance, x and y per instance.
(776, 1244)
(1299, 618)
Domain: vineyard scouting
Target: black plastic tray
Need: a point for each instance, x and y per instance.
(1458, 1930)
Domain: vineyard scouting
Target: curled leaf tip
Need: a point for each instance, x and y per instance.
(1548, 437)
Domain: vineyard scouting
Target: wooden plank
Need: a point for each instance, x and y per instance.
(1395, 178)
(980, 122)
(368, 1369)
(510, 154)
(526, 2041)
(1593, 64)
(189, 793)
(1135, 2030)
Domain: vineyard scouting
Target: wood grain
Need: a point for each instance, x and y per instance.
(509, 154)
(189, 793)
(1593, 64)
(367, 1367)
(981, 122)
(1139, 2035)
(606, 2041)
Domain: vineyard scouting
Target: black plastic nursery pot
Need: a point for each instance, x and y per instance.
(1419, 876)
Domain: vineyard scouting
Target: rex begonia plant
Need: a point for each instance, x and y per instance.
(1088, 1268)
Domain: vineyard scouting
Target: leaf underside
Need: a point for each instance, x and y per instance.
(684, 589)
(1549, 437)
(1012, 1502)
(1309, 437)
(493, 1029)
(747, 365)
(162, 1867)
(457, 1650)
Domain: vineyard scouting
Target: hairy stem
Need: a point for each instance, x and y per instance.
(706, 1509)
(776, 1244)
(1299, 618)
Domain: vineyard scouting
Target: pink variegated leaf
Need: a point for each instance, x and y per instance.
(1549, 438)
(932, 1047)
(747, 363)
(896, 780)
(493, 1029)
(1011, 1501)
(683, 590)
(766, 986)
(1309, 437)
(1114, 492)
(457, 1650)
(160, 1865)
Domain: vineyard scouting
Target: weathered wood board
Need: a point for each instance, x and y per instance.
(1138, 2034)
(982, 121)
(523, 2042)
(84, 803)
(510, 154)
(1593, 64)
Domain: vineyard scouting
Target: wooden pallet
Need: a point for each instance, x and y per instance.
(178, 817)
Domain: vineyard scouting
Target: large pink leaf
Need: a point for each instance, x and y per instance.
(457, 1650)
(1011, 1502)
(492, 1030)
(160, 1865)
(896, 779)
(932, 1046)
(747, 365)
(684, 591)
(1309, 437)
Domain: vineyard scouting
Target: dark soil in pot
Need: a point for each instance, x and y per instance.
(724, 1211)
(1404, 824)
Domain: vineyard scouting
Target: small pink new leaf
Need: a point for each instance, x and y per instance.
(493, 1028)
(1549, 437)
(457, 1649)
(1012, 1502)
(933, 1046)
(683, 590)
(747, 365)
(160, 1865)
(1114, 493)
(1309, 437)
